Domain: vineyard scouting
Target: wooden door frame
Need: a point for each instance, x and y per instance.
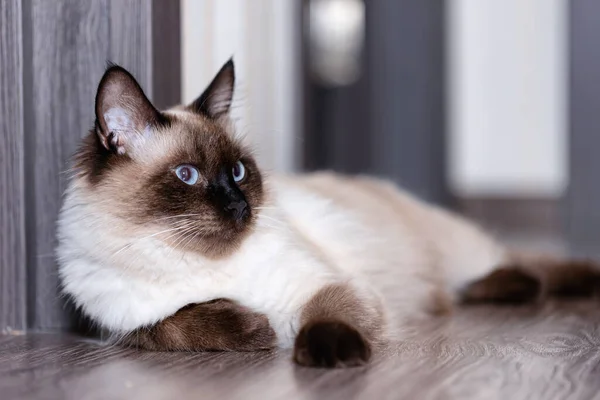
(56, 52)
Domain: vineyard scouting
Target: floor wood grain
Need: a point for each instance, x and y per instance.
(481, 352)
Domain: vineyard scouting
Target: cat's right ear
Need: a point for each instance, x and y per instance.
(124, 115)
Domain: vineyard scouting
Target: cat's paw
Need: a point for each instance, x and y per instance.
(509, 285)
(235, 327)
(221, 325)
(330, 344)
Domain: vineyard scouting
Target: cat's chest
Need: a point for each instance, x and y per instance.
(276, 275)
(270, 274)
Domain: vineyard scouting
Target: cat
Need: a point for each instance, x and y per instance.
(172, 238)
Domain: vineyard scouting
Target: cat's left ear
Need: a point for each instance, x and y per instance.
(215, 101)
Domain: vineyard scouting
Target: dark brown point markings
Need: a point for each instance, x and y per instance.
(532, 280)
(508, 285)
(338, 330)
(219, 325)
(331, 344)
(128, 161)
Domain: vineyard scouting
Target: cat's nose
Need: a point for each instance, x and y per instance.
(238, 209)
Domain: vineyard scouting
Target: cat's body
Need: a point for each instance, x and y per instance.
(315, 230)
(333, 262)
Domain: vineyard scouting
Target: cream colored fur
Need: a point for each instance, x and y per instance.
(401, 255)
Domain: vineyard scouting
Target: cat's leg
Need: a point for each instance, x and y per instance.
(339, 328)
(216, 325)
(528, 278)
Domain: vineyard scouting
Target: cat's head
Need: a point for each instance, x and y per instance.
(181, 171)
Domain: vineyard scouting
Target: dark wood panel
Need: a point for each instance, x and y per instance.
(150, 48)
(69, 52)
(405, 44)
(479, 353)
(583, 195)
(166, 53)
(68, 43)
(131, 39)
(12, 170)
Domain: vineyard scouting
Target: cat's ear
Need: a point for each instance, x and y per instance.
(215, 101)
(124, 115)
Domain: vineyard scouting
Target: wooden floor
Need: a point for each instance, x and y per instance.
(479, 353)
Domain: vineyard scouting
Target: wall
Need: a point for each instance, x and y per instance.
(507, 107)
(260, 35)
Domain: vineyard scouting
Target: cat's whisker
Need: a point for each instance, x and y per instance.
(277, 228)
(180, 246)
(190, 240)
(271, 219)
(184, 242)
(167, 230)
(177, 216)
(68, 171)
(179, 233)
(182, 232)
(147, 237)
(183, 235)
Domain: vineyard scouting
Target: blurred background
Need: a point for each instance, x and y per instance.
(485, 106)
(489, 107)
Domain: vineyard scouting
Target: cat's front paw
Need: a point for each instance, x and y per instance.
(330, 344)
(232, 326)
(221, 325)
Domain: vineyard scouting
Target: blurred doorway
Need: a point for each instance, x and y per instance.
(373, 81)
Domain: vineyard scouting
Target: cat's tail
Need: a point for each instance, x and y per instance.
(530, 277)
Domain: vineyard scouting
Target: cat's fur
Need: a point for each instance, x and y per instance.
(335, 264)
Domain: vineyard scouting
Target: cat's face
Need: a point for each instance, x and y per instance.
(181, 171)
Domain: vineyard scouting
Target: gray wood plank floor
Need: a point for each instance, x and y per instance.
(483, 352)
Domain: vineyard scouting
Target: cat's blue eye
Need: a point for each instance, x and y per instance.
(238, 171)
(187, 174)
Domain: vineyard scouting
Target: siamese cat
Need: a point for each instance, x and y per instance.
(171, 237)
